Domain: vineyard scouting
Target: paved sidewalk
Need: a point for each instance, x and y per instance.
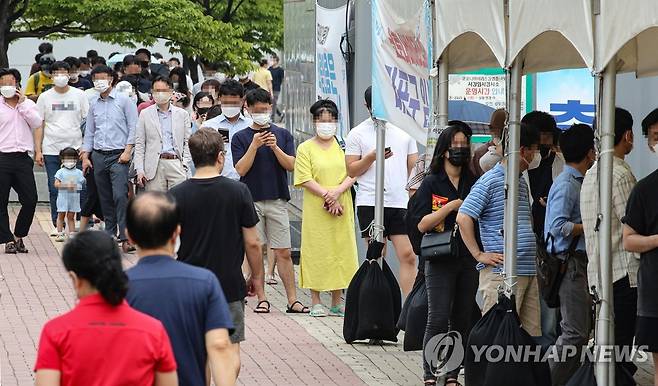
(281, 349)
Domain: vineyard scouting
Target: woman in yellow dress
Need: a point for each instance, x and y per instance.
(328, 250)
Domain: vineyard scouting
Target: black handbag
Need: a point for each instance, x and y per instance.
(551, 271)
(438, 246)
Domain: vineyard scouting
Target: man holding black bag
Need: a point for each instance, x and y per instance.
(563, 230)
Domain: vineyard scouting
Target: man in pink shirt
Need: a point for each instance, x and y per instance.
(18, 117)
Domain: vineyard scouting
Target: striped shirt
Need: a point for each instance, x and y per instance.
(486, 204)
(624, 263)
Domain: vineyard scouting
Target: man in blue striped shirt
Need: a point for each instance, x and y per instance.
(563, 229)
(486, 205)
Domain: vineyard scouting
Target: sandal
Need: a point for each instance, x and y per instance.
(452, 381)
(20, 246)
(271, 280)
(10, 247)
(338, 310)
(262, 309)
(318, 311)
(291, 308)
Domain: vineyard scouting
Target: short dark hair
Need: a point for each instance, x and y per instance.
(576, 142)
(263, 62)
(623, 123)
(465, 126)
(205, 145)
(258, 96)
(648, 121)
(84, 60)
(165, 79)
(231, 87)
(95, 257)
(213, 112)
(151, 219)
(214, 83)
(68, 152)
(60, 65)
(13, 72)
(130, 59)
(275, 57)
(92, 54)
(443, 143)
(529, 135)
(324, 105)
(72, 61)
(544, 122)
(157, 55)
(46, 48)
(103, 69)
(98, 60)
(143, 51)
(174, 59)
(368, 97)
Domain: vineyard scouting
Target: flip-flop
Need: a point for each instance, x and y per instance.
(272, 281)
(260, 309)
(291, 308)
(453, 382)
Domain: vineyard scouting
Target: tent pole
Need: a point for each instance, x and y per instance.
(378, 227)
(605, 371)
(512, 175)
(443, 90)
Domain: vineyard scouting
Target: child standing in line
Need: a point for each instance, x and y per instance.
(68, 181)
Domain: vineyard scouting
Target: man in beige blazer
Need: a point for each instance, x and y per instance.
(162, 156)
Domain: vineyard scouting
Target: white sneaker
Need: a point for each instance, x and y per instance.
(61, 237)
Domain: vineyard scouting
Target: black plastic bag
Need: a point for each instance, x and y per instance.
(413, 317)
(586, 376)
(373, 301)
(526, 369)
(483, 334)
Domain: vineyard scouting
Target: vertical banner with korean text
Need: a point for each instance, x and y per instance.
(331, 70)
(401, 62)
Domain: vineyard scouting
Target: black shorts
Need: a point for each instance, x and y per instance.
(394, 223)
(646, 333)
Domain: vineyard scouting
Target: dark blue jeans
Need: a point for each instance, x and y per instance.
(112, 184)
(52, 164)
(451, 287)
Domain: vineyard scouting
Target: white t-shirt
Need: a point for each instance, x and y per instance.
(362, 140)
(63, 114)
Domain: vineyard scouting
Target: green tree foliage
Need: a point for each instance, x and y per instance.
(249, 27)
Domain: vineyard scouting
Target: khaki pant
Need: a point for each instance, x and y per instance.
(169, 174)
(527, 298)
(274, 224)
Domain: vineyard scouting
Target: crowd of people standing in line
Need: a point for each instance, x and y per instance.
(214, 169)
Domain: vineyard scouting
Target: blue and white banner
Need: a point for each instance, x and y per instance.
(401, 62)
(331, 70)
(568, 95)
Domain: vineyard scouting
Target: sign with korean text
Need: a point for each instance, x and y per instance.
(331, 71)
(401, 62)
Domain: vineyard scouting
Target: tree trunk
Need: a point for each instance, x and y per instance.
(190, 63)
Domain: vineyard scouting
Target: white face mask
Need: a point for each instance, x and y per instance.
(326, 130)
(231, 111)
(8, 91)
(161, 97)
(74, 77)
(536, 160)
(85, 73)
(261, 119)
(175, 85)
(490, 159)
(61, 80)
(655, 150)
(69, 164)
(101, 85)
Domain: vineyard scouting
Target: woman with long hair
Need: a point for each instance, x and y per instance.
(102, 340)
(451, 283)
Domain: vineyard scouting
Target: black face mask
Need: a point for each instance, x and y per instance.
(459, 156)
(202, 110)
(544, 150)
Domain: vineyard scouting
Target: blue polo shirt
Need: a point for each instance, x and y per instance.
(563, 211)
(486, 203)
(188, 301)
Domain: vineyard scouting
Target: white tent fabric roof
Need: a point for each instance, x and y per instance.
(473, 32)
(555, 34)
(630, 30)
